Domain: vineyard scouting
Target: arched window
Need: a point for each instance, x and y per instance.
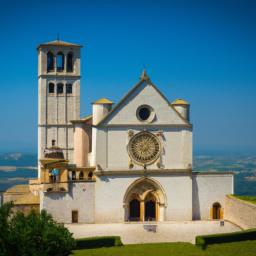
(53, 142)
(216, 211)
(90, 174)
(150, 207)
(69, 88)
(73, 175)
(81, 175)
(59, 88)
(50, 61)
(60, 61)
(70, 62)
(51, 88)
(134, 210)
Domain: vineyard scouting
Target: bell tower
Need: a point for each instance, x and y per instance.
(58, 96)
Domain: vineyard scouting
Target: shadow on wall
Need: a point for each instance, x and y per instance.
(195, 201)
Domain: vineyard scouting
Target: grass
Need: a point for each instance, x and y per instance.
(251, 199)
(247, 248)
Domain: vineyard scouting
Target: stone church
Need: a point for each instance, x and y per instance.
(129, 161)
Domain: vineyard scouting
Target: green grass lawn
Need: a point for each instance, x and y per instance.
(246, 248)
(251, 199)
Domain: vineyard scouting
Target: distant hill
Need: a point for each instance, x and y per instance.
(17, 168)
(18, 159)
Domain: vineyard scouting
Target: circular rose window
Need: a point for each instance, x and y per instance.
(145, 113)
(144, 148)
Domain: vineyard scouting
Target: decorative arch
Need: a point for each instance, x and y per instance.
(151, 196)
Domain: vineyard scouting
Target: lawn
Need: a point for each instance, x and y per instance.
(174, 249)
(251, 199)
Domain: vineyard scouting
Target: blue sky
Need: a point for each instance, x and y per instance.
(203, 51)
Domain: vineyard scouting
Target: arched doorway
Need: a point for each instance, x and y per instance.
(134, 210)
(144, 200)
(216, 211)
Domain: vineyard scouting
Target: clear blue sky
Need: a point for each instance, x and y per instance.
(203, 51)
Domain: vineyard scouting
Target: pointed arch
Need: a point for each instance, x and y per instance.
(151, 197)
(142, 187)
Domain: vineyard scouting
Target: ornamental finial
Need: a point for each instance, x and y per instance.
(144, 76)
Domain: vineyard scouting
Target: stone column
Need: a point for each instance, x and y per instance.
(161, 212)
(157, 211)
(142, 210)
(126, 212)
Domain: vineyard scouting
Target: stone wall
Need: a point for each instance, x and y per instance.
(210, 188)
(110, 192)
(240, 212)
(80, 197)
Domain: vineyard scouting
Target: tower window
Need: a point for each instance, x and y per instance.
(70, 62)
(59, 88)
(60, 61)
(69, 88)
(51, 88)
(50, 61)
(53, 142)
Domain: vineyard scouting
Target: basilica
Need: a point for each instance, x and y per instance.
(126, 162)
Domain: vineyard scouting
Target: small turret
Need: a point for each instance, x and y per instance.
(100, 108)
(182, 107)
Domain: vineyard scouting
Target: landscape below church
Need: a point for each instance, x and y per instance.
(18, 168)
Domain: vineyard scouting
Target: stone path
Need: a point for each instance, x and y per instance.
(135, 233)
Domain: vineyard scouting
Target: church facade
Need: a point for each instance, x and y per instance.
(130, 161)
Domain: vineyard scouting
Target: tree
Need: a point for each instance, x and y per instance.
(5, 212)
(35, 234)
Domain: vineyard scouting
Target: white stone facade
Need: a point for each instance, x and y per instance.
(79, 198)
(164, 188)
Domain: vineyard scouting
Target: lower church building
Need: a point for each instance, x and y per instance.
(126, 162)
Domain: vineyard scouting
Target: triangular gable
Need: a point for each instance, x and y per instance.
(145, 92)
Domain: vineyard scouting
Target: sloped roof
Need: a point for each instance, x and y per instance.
(103, 101)
(85, 119)
(179, 102)
(18, 189)
(59, 43)
(27, 199)
(144, 78)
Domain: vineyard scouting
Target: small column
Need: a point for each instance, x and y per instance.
(157, 211)
(161, 212)
(142, 210)
(126, 212)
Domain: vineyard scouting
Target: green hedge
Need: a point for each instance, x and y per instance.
(97, 242)
(203, 241)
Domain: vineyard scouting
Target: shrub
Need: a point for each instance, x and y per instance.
(203, 241)
(97, 242)
(35, 234)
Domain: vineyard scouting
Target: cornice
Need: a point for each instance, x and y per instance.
(141, 172)
(54, 75)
